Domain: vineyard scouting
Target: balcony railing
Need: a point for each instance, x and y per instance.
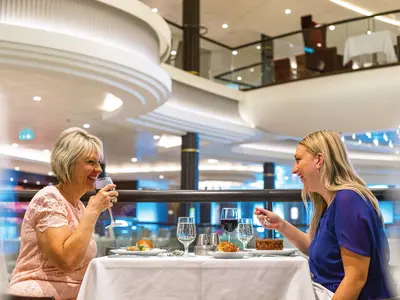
(319, 51)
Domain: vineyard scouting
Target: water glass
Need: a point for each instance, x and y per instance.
(186, 232)
(245, 232)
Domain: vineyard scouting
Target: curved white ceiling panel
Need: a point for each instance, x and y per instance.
(352, 102)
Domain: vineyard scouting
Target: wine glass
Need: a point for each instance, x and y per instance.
(101, 183)
(245, 232)
(186, 232)
(229, 220)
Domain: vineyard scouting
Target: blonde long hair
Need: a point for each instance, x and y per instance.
(336, 173)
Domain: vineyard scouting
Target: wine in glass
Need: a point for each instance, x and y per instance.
(186, 232)
(229, 220)
(245, 232)
(101, 183)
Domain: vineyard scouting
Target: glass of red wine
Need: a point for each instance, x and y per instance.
(229, 220)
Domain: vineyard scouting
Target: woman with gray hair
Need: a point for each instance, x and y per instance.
(57, 241)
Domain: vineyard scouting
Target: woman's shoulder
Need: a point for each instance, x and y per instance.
(48, 197)
(346, 199)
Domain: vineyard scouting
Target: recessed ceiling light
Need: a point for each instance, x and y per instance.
(156, 137)
(332, 27)
(251, 70)
(213, 161)
(134, 159)
(50, 174)
(111, 103)
(37, 98)
(319, 45)
(46, 151)
(369, 32)
(258, 47)
(291, 45)
(11, 179)
(288, 11)
(15, 145)
(25, 181)
(234, 52)
(239, 78)
(86, 126)
(155, 9)
(225, 26)
(16, 168)
(161, 176)
(173, 52)
(37, 182)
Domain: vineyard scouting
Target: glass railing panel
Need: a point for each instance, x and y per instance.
(176, 56)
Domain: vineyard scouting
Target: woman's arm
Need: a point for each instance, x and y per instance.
(66, 248)
(298, 238)
(355, 275)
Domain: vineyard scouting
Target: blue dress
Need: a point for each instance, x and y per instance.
(351, 222)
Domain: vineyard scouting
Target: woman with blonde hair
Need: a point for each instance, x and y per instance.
(346, 243)
(57, 240)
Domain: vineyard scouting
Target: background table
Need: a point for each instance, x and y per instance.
(199, 277)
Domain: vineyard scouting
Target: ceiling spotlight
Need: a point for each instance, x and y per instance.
(251, 70)
(173, 52)
(37, 182)
(213, 161)
(156, 137)
(288, 11)
(369, 32)
(291, 45)
(16, 168)
(225, 26)
(332, 27)
(258, 47)
(15, 145)
(111, 103)
(161, 176)
(239, 78)
(46, 151)
(25, 181)
(155, 10)
(11, 179)
(353, 136)
(234, 52)
(319, 45)
(134, 159)
(86, 126)
(37, 98)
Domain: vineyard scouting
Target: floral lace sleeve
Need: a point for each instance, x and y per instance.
(49, 211)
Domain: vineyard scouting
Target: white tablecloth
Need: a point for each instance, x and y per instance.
(376, 42)
(197, 278)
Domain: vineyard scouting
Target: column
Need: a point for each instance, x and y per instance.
(191, 36)
(267, 60)
(269, 183)
(189, 167)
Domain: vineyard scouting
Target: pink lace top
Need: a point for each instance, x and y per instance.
(34, 275)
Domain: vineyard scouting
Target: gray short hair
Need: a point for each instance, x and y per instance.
(72, 144)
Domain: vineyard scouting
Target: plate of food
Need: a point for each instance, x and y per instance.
(265, 247)
(227, 250)
(142, 247)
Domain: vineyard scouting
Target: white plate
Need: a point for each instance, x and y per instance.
(284, 252)
(152, 252)
(227, 255)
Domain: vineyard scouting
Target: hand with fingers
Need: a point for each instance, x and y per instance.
(105, 198)
(268, 219)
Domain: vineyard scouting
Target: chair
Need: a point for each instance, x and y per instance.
(13, 297)
(282, 70)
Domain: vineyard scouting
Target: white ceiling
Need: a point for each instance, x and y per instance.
(248, 19)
